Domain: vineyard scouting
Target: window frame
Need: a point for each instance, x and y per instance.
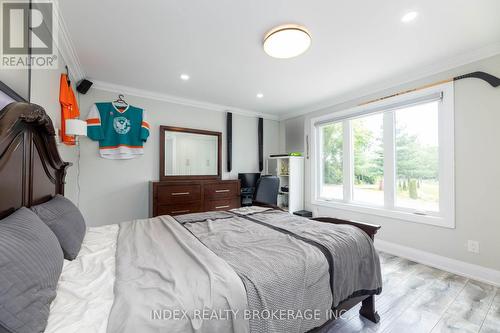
(446, 215)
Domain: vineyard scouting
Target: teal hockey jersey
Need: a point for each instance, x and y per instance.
(121, 132)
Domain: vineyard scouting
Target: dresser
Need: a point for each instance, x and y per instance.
(191, 196)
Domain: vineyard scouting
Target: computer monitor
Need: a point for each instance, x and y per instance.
(248, 180)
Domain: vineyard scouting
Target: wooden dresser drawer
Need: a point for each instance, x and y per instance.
(193, 196)
(179, 194)
(178, 209)
(221, 190)
(222, 204)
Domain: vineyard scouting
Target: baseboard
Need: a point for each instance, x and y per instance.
(476, 272)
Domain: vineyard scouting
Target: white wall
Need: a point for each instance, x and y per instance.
(118, 190)
(477, 160)
(45, 92)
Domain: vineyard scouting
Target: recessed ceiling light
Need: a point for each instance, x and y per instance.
(408, 17)
(184, 77)
(260, 95)
(287, 41)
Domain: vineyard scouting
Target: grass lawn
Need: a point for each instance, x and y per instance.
(428, 195)
(428, 191)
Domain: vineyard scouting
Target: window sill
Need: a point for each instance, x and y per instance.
(402, 216)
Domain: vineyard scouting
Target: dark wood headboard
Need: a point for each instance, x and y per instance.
(31, 169)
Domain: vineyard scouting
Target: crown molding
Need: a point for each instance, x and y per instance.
(400, 79)
(66, 47)
(116, 88)
(68, 53)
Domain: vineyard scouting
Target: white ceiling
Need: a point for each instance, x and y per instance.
(148, 44)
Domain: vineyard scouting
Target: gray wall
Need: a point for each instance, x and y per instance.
(113, 191)
(477, 160)
(45, 92)
(294, 129)
(16, 79)
(117, 190)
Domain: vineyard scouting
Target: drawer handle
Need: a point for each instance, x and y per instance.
(181, 193)
(221, 191)
(181, 211)
(220, 207)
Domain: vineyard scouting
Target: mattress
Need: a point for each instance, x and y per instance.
(85, 289)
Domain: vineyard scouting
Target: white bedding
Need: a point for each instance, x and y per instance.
(85, 289)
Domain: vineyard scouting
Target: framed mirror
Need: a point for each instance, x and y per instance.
(187, 153)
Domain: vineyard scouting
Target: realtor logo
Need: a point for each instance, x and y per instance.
(23, 27)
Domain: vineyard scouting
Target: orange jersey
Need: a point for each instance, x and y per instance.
(69, 108)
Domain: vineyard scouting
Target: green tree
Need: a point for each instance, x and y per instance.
(332, 153)
(368, 154)
(414, 161)
(412, 189)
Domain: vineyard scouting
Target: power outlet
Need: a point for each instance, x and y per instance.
(473, 246)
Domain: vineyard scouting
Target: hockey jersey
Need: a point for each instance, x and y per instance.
(121, 132)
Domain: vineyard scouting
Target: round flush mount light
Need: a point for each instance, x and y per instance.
(260, 95)
(409, 17)
(184, 77)
(287, 41)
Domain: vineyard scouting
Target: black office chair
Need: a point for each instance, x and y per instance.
(266, 190)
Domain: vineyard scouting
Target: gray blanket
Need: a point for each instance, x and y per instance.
(274, 271)
(288, 263)
(162, 273)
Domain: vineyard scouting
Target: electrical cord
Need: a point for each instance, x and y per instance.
(78, 173)
(78, 164)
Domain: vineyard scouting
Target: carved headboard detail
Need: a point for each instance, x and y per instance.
(31, 169)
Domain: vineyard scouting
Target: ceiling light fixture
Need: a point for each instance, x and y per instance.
(287, 41)
(408, 17)
(260, 95)
(184, 77)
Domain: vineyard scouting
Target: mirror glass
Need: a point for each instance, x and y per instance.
(190, 154)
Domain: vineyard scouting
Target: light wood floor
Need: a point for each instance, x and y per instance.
(417, 298)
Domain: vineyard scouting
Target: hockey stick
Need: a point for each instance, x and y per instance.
(492, 80)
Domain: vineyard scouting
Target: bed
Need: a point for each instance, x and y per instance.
(203, 272)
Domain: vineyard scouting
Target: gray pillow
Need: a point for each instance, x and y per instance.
(66, 221)
(31, 261)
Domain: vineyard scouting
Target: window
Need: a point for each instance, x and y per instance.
(332, 161)
(391, 158)
(368, 159)
(417, 157)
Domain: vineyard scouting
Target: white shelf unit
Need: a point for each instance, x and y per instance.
(290, 170)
